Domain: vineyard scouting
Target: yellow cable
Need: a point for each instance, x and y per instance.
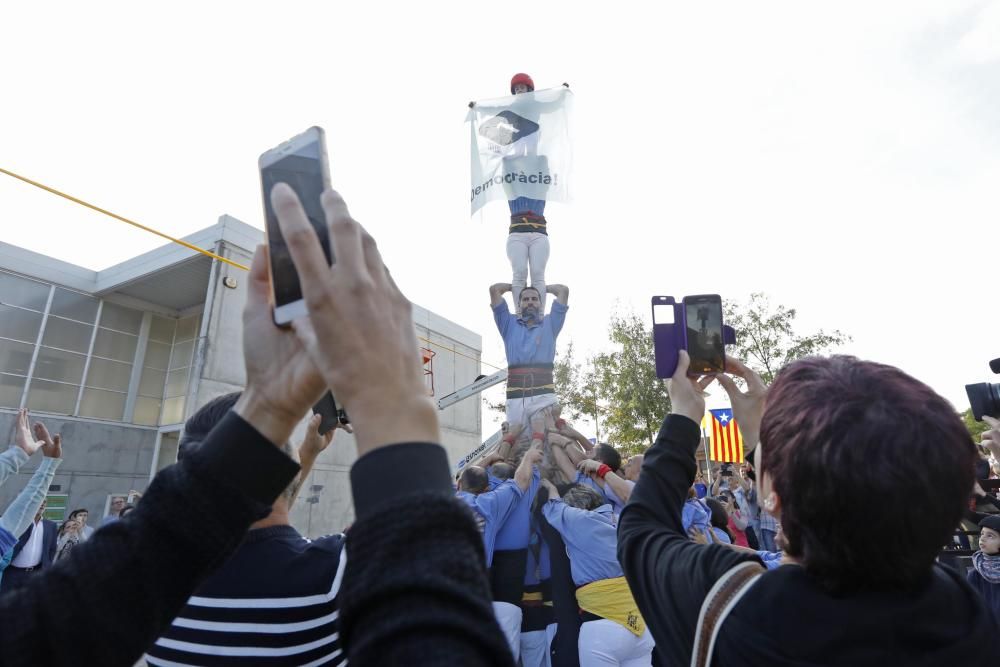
(131, 222)
(461, 354)
(190, 246)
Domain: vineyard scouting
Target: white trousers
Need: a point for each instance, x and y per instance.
(526, 249)
(535, 649)
(605, 642)
(509, 618)
(520, 410)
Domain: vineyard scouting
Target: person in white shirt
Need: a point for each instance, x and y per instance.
(34, 552)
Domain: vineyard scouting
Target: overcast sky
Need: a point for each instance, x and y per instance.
(841, 157)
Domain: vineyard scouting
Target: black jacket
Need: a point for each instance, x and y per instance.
(49, 537)
(414, 591)
(785, 619)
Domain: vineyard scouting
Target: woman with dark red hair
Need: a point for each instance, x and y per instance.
(847, 450)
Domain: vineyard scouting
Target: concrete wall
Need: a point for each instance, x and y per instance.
(99, 458)
(220, 360)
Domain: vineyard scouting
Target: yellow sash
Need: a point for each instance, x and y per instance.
(612, 599)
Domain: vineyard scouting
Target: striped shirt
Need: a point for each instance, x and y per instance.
(273, 603)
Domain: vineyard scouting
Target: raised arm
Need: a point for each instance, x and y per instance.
(560, 292)
(567, 431)
(312, 445)
(660, 562)
(563, 462)
(531, 458)
(413, 545)
(21, 512)
(497, 290)
(621, 487)
(21, 450)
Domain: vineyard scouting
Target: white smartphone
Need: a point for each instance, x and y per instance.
(300, 162)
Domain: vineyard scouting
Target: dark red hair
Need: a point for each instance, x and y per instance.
(873, 469)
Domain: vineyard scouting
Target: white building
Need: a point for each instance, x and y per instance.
(116, 360)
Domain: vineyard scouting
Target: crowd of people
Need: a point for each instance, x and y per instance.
(821, 550)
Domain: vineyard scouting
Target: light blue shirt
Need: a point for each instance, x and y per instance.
(772, 559)
(696, 514)
(721, 535)
(494, 507)
(526, 345)
(617, 504)
(11, 461)
(515, 531)
(591, 540)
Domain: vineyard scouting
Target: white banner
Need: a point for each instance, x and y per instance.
(521, 147)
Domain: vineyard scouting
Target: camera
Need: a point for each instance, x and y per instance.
(984, 397)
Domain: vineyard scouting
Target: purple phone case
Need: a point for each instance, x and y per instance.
(670, 339)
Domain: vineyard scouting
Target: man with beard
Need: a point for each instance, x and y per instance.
(530, 344)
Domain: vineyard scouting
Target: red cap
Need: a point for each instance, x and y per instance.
(521, 77)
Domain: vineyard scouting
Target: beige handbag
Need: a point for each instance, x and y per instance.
(721, 600)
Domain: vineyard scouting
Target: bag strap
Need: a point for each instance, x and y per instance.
(721, 600)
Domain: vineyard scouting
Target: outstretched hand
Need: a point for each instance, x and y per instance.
(51, 444)
(282, 381)
(22, 434)
(748, 406)
(687, 394)
(313, 443)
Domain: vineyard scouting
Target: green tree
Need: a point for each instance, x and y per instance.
(976, 429)
(576, 387)
(766, 339)
(625, 381)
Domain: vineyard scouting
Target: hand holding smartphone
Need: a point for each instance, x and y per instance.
(301, 162)
(695, 324)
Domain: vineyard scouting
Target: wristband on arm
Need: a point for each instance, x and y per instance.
(603, 470)
(537, 436)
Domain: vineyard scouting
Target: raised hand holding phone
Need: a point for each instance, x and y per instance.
(359, 327)
(301, 163)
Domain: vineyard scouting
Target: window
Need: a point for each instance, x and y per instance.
(19, 324)
(179, 370)
(71, 353)
(149, 399)
(23, 292)
(115, 343)
(22, 310)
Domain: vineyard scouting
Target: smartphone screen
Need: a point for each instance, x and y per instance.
(704, 334)
(302, 167)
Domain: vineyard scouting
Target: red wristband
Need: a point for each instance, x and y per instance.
(560, 423)
(509, 439)
(603, 470)
(538, 436)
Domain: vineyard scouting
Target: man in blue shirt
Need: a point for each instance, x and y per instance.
(589, 528)
(493, 509)
(530, 345)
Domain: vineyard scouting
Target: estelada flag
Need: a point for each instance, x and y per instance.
(727, 441)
